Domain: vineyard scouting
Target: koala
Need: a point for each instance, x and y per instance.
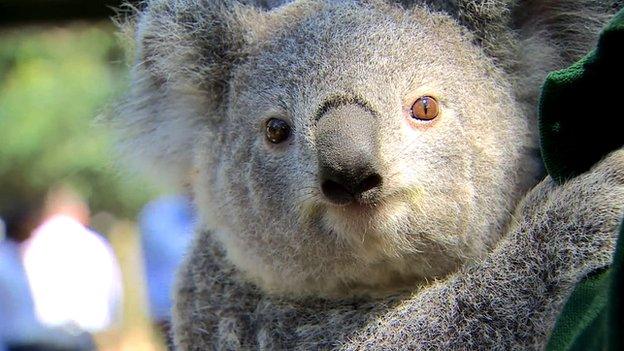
(358, 168)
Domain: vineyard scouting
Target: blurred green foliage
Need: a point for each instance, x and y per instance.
(53, 84)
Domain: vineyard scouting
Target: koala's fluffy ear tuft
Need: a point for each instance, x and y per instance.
(184, 53)
(570, 25)
(567, 27)
(487, 21)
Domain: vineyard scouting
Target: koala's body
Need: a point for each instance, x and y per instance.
(354, 152)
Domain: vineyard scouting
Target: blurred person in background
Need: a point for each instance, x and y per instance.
(51, 53)
(167, 226)
(72, 271)
(18, 324)
(19, 327)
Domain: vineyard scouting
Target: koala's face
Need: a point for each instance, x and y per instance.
(362, 148)
(338, 147)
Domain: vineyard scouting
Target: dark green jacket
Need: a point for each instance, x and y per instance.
(580, 110)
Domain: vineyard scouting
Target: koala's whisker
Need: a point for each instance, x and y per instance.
(392, 175)
(309, 172)
(301, 195)
(305, 171)
(308, 189)
(303, 198)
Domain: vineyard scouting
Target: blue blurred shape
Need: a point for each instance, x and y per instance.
(167, 227)
(18, 321)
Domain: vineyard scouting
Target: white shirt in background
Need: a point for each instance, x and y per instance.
(73, 275)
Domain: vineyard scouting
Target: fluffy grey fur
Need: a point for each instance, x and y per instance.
(508, 301)
(275, 265)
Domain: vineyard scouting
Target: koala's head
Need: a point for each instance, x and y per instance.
(335, 146)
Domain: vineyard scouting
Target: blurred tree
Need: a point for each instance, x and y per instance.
(53, 83)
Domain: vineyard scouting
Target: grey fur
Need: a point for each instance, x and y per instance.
(274, 265)
(508, 301)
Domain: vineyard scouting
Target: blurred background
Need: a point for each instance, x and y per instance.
(87, 250)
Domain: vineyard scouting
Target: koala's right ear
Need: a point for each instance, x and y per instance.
(184, 53)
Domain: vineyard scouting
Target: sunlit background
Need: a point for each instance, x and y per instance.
(64, 199)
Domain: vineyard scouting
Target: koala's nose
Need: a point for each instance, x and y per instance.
(347, 154)
(343, 188)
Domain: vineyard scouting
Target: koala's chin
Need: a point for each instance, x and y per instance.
(350, 250)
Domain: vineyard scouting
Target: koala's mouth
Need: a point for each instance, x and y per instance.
(375, 223)
(374, 200)
(364, 225)
(357, 209)
(378, 206)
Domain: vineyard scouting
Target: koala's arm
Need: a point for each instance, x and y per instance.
(510, 300)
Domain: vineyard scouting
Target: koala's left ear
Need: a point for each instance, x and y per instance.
(185, 52)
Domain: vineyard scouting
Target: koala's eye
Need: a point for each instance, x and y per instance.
(277, 130)
(425, 108)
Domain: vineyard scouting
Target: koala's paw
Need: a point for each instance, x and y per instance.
(578, 222)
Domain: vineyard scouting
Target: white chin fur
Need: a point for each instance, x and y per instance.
(372, 231)
(385, 255)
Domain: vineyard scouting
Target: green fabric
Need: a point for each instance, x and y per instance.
(593, 317)
(580, 109)
(583, 316)
(615, 307)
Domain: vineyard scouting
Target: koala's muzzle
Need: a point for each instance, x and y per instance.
(347, 154)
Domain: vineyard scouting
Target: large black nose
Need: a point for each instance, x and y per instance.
(347, 148)
(342, 188)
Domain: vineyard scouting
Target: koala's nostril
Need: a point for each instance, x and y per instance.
(370, 182)
(336, 192)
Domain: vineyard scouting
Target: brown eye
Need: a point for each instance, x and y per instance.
(425, 108)
(277, 130)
